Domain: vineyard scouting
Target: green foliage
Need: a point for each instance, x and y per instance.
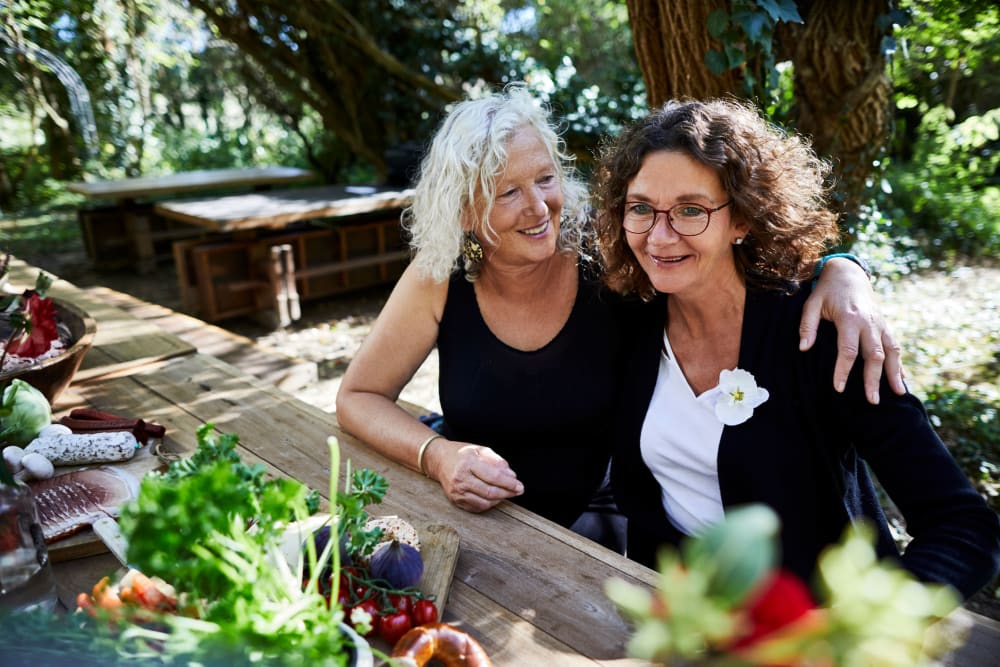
(748, 29)
(561, 48)
(37, 235)
(211, 525)
(947, 197)
(969, 422)
(203, 501)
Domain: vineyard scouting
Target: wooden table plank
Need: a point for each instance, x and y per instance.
(122, 342)
(190, 181)
(275, 209)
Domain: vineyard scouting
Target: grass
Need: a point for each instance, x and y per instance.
(40, 233)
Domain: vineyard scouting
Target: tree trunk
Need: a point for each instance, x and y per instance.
(671, 41)
(841, 87)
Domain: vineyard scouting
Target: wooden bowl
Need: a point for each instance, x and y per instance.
(52, 375)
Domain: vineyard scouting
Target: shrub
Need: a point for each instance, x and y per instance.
(969, 423)
(947, 197)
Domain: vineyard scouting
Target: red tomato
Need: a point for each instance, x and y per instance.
(394, 626)
(372, 608)
(424, 612)
(401, 602)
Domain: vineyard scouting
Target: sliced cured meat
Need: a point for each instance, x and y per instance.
(69, 503)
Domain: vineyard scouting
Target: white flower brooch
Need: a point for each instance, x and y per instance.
(738, 396)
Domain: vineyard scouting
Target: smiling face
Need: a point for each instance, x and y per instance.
(675, 264)
(528, 204)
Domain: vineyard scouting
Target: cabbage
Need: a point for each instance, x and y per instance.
(24, 412)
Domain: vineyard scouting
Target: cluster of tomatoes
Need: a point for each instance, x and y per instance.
(393, 611)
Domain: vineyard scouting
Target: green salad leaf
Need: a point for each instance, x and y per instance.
(210, 526)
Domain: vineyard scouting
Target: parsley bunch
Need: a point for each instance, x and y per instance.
(211, 527)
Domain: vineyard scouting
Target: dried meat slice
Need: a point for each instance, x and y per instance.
(69, 503)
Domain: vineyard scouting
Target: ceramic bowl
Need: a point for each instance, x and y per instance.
(52, 375)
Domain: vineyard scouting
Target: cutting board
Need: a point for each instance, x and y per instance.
(86, 542)
(439, 545)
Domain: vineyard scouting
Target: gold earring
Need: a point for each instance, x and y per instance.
(472, 249)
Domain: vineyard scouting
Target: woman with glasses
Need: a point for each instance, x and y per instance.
(715, 219)
(503, 284)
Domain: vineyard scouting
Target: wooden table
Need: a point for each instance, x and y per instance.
(124, 233)
(248, 268)
(276, 209)
(131, 189)
(527, 589)
(122, 342)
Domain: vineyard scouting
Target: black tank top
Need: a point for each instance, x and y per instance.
(548, 412)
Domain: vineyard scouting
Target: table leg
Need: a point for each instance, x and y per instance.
(140, 234)
(281, 276)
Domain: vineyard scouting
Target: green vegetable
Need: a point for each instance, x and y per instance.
(24, 412)
(211, 526)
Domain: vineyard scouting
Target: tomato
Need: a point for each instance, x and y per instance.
(394, 626)
(424, 612)
(372, 608)
(401, 602)
(359, 591)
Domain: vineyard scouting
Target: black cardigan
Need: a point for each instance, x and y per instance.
(804, 451)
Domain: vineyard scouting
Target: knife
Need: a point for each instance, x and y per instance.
(107, 529)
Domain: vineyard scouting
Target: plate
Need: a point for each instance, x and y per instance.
(86, 542)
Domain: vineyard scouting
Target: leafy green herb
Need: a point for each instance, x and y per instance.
(367, 487)
(210, 526)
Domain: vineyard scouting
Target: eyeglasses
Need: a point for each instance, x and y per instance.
(685, 219)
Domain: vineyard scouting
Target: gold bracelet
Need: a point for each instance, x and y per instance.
(423, 448)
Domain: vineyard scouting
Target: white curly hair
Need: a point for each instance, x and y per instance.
(466, 155)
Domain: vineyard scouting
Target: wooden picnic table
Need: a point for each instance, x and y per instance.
(122, 341)
(530, 591)
(276, 209)
(246, 266)
(128, 233)
(131, 189)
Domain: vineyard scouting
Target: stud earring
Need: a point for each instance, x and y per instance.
(738, 241)
(472, 249)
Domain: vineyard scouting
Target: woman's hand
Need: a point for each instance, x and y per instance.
(474, 478)
(844, 296)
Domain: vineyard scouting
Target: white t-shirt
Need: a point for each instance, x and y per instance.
(680, 444)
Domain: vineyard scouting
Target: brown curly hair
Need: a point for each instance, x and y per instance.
(777, 183)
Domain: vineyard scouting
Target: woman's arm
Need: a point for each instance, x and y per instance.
(843, 295)
(474, 478)
(956, 535)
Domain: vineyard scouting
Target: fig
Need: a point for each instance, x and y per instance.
(320, 539)
(398, 563)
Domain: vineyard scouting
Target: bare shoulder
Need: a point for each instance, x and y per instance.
(418, 294)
